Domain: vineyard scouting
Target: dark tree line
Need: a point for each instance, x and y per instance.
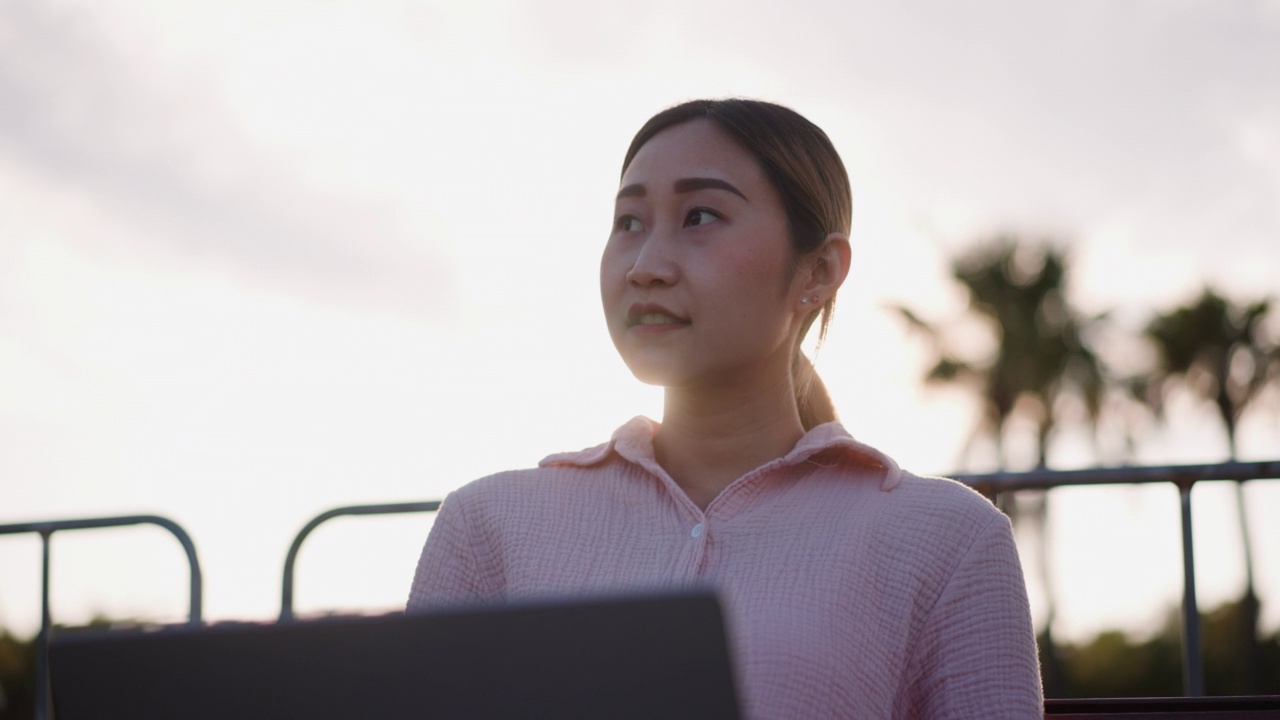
(17, 677)
(1112, 664)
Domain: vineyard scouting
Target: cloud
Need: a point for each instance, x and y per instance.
(151, 146)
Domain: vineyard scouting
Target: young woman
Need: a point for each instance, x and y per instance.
(851, 588)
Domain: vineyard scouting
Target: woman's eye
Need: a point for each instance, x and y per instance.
(627, 223)
(700, 216)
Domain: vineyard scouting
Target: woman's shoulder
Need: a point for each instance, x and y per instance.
(508, 484)
(632, 442)
(931, 490)
(908, 492)
(940, 509)
(556, 478)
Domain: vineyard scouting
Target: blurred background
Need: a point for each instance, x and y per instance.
(260, 259)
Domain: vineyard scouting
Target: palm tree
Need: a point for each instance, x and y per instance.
(1041, 350)
(1041, 355)
(1217, 350)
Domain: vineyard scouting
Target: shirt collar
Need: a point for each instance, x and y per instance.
(634, 442)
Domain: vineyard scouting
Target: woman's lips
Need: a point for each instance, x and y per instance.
(653, 316)
(658, 319)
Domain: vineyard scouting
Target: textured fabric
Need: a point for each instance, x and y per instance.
(851, 589)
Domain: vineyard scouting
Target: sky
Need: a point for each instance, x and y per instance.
(261, 259)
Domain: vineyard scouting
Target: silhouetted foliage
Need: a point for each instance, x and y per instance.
(1114, 665)
(1111, 665)
(1018, 290)
(18, 668)
(17, 678)
(1218, 350)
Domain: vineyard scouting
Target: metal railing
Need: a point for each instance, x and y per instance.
(286, 584)
(46, 529)
(1181, 476)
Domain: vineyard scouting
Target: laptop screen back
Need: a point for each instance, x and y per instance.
(639, 657)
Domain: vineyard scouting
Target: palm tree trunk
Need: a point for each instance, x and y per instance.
(1253, 670)
(1252, 650)
(1052, 671)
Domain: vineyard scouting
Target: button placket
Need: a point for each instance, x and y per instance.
(699, 547)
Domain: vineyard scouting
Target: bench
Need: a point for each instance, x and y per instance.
(1229, 708)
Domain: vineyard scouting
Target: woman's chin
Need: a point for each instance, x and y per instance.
(652, 372)
(653, 376)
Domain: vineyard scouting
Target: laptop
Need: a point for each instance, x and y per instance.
(655, 656)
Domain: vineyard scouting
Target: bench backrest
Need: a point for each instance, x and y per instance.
(1228, 708)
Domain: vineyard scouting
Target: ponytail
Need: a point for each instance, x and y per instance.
(812, 400)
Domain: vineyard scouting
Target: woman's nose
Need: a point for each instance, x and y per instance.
(653, 264)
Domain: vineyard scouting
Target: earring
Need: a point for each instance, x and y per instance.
(804, 301)
(810, 299)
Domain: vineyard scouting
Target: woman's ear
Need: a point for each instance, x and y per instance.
(828, 266)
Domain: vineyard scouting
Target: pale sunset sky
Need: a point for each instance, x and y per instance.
(261, 258)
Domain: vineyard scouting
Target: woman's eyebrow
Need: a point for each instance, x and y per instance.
(636, 190)
(684, 185)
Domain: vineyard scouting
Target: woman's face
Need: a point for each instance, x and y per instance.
(697, 279)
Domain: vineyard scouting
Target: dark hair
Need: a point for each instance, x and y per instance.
(805, 169)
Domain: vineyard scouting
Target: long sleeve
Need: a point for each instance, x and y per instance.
(976, 655)
(449, 570)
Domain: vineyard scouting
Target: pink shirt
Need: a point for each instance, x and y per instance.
(851, 588)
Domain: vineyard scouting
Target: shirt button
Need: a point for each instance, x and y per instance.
(696, 532)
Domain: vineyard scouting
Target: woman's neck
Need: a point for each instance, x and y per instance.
(709, 439)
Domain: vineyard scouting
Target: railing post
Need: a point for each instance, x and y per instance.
(1192, 659)
(46, 529)
(42, 643)
(291, 558)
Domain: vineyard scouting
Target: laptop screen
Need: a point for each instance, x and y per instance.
(657, 656)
